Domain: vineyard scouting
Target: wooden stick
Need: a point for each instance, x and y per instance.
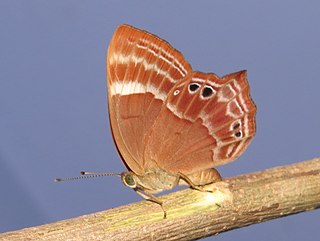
(237, 202)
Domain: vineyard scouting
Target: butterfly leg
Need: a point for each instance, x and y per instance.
(199, 180)
(187, 180)
(148, 196)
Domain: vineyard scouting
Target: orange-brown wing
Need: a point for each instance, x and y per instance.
(141, 70)
(207, 121)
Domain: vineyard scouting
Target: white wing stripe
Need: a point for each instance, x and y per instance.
(131, 87)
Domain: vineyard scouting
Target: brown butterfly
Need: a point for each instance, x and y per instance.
(172, 125)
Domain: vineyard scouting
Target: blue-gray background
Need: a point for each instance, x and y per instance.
(53, 108)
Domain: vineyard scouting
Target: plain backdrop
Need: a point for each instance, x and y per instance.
(53, 104)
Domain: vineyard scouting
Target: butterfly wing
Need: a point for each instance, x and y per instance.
(206, 121)
(141, 71)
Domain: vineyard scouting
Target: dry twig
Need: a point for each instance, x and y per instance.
(239, 201)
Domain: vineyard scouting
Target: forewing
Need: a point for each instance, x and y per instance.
(141, 71)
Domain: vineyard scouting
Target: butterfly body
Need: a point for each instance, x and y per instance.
(154, 181)
(172, 125)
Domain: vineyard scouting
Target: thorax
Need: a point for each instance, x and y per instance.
(156, 180)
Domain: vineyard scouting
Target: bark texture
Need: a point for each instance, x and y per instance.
(236, 202)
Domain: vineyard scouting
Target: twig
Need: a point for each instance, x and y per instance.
(237, 202)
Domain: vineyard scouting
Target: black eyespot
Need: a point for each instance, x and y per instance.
(207, 91)
(193, 87)
(238, 134)
(236, 126)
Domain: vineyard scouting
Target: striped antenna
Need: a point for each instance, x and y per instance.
(86, 175)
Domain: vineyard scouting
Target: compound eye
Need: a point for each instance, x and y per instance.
(129, 180)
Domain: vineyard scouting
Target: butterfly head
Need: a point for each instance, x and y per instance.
(129, 179)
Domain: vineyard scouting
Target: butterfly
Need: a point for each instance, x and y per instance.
(172, 125)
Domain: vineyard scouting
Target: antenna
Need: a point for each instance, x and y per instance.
(86, 175)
